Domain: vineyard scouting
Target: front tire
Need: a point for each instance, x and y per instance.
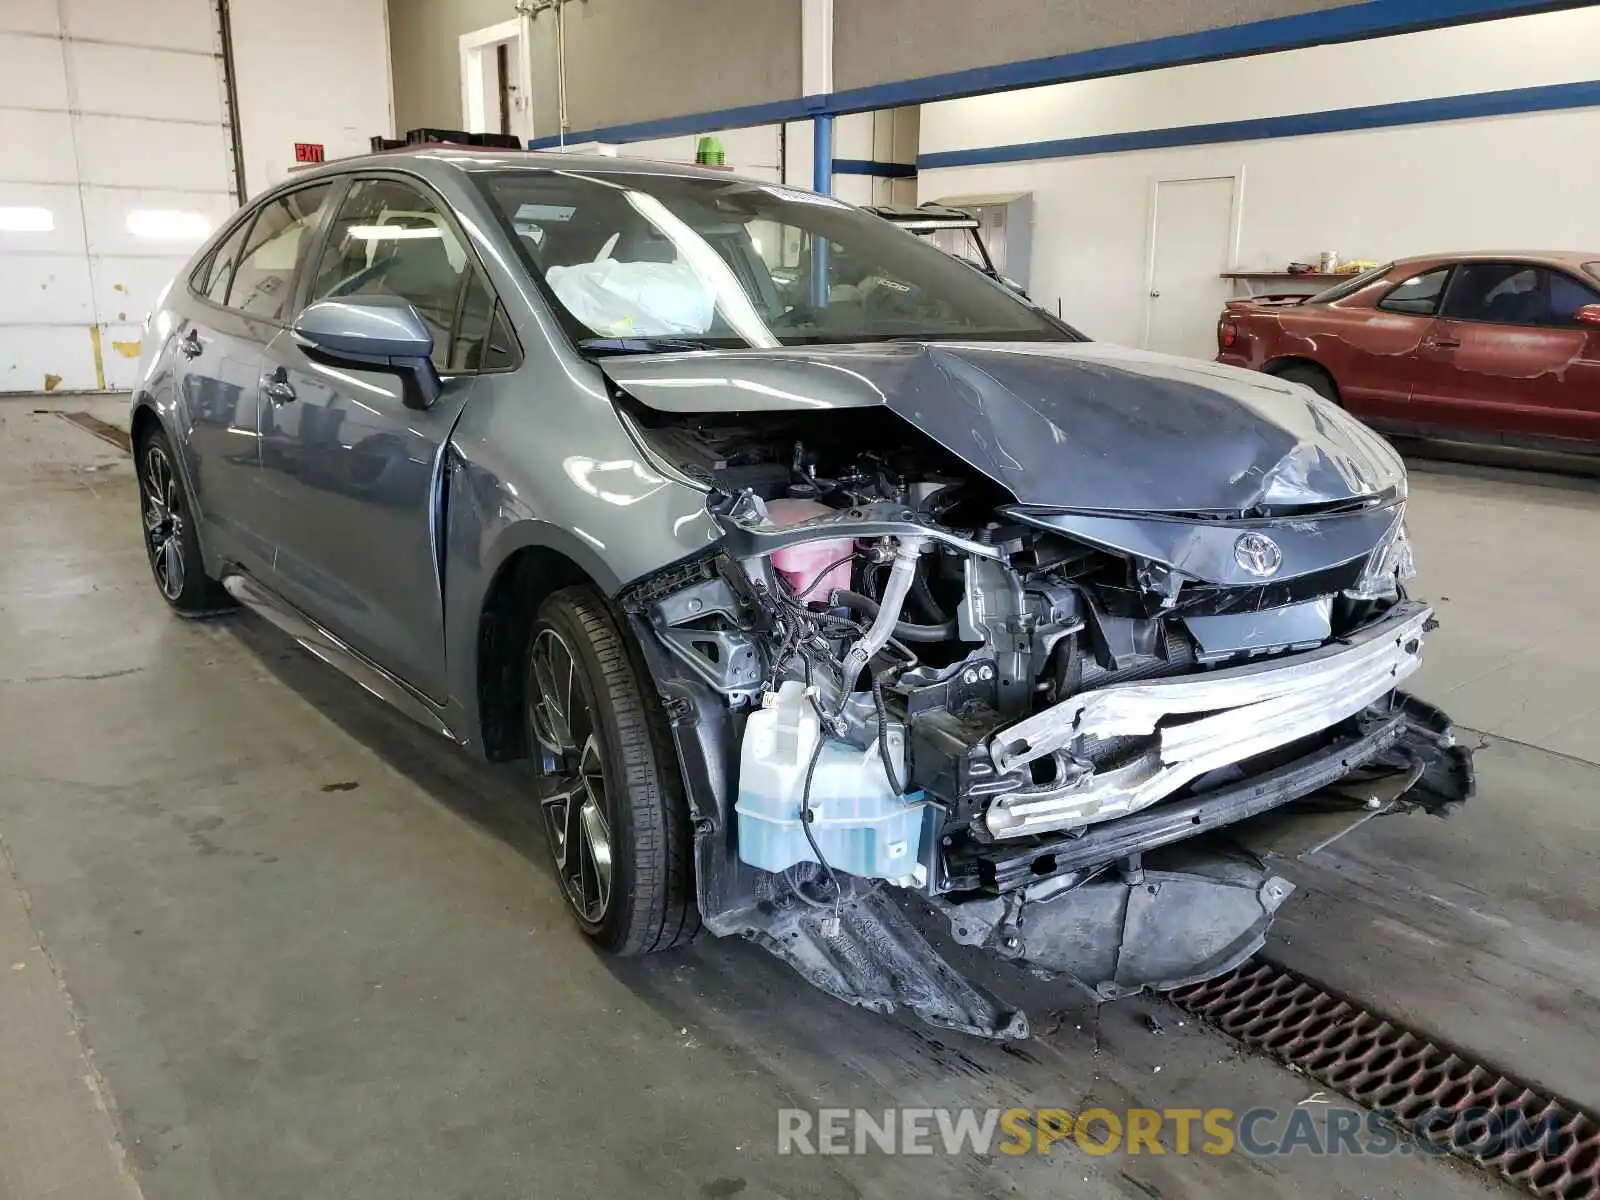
(607, 780)
(171, 541)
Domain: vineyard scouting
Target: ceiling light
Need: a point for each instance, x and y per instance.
(396, 233)
(26, 219)
(168, 225)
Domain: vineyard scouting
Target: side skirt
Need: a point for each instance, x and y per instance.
(260, 599)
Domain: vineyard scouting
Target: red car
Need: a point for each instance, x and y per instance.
(1478, 347)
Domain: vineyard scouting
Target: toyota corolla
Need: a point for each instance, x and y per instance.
(827, 585)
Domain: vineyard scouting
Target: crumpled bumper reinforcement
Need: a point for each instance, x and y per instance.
(1202, 722)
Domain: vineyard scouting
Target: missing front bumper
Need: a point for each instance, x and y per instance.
(1201, 723)
(1405, 739)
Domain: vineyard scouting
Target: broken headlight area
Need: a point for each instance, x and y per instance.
(885, 675)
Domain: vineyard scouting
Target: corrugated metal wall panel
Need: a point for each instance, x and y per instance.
(119, 162)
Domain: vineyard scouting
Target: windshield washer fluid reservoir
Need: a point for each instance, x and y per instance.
(859, 822)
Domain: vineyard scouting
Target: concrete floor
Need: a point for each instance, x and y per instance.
(268, 939)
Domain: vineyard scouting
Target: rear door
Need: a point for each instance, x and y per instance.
(221, 349)
(352, 475)
(217, 366)
(1506, 358)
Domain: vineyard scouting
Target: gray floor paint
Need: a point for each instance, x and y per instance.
(307, 951)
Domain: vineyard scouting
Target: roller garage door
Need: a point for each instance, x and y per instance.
(116, 161)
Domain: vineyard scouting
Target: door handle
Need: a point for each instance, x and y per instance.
(1444, 344)
(1155, 295)
(190, 344)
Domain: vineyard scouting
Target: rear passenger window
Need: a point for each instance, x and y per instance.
(1417, 296)
(265, 275)
(223, 262)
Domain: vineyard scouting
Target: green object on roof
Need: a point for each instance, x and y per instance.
(709, 153)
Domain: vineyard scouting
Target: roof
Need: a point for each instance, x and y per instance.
(472, 160)
(1570, 259)
(925, 217)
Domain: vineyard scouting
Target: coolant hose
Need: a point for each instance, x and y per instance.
(904, 570)
(906, 631)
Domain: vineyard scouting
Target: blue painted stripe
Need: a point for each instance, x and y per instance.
(800, 109)
(867, 166)
(1374, 18)
(1338, 120)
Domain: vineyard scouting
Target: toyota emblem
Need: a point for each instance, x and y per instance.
(1257, 554)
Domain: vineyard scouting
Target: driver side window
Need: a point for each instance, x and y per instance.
(389, 239)
(1515, 294)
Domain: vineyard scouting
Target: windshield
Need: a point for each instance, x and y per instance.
(643, 262)
(1351, 286)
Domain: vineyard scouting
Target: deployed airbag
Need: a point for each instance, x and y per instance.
(634, 299)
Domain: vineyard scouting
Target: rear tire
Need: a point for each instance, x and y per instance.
(607, 779)
(1314, 377)
(171, 540)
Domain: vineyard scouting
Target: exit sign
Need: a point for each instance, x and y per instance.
(309, 152)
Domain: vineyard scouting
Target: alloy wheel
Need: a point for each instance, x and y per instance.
(572, 774)
(163, 522)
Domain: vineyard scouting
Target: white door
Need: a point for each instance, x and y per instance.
(1191, 249)
(496, 80)
(117, 163)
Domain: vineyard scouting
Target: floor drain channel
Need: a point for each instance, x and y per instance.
(103, 430)
(1548, 1146)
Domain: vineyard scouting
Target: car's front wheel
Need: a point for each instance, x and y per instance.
(607, 780)
(171, 541)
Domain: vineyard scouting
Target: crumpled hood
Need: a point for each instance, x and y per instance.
(1060, 424)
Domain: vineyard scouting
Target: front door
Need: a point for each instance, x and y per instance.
(1506, 357)
(1377, 357)
(352, 473)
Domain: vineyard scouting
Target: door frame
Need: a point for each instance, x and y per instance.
(476, 50)
(1235, 227)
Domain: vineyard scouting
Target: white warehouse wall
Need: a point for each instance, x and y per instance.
(309, 71)
(119, 161)
(117, 164)
(1381, 193)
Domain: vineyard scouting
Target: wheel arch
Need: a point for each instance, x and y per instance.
(1283, 362)
(520, 584)
(148, 417)
(143, 422)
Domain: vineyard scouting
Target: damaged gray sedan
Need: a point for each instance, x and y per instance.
(835, 596)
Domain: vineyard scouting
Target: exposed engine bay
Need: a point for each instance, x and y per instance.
(1046, 722)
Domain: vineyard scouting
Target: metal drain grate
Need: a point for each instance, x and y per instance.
(1548, 1146)
(103, 430)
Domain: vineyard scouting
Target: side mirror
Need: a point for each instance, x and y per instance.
(1589, 314)
(382, 333)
